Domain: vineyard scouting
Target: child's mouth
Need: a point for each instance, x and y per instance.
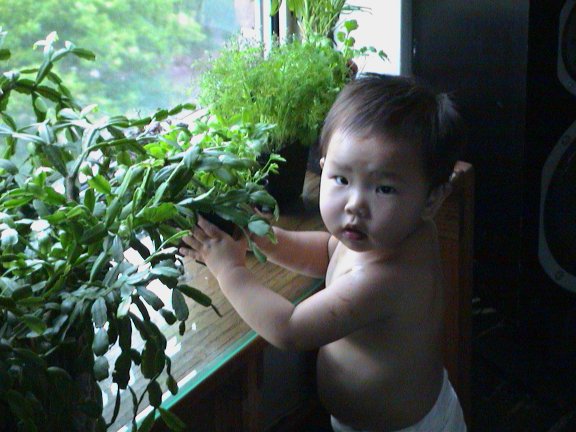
(353, 234)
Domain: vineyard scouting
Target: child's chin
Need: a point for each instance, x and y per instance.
(356, 245)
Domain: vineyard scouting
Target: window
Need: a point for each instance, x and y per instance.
(145, 51)
(381, 27)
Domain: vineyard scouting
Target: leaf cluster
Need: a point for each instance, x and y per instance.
(292, 85)
(321, 19)
(92, 191)
(316, 17)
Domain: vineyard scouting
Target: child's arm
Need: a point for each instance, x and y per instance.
(348, 304)
(304, 252)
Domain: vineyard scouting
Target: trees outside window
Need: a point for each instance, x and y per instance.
(145, 50)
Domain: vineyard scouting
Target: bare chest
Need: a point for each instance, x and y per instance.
(342, 262)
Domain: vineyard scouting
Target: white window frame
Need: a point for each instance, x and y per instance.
(263, 21)
(288, 25)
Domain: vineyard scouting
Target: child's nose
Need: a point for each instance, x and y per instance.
(356, 205)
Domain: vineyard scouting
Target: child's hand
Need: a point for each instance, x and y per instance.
(215, 248)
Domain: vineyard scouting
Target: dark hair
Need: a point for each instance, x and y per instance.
(403, 110)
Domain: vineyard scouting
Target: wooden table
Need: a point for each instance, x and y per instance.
(218, 362)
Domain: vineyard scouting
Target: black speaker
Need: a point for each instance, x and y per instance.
(557, 209)
(567, 47)
(547, 303)
(550, 153)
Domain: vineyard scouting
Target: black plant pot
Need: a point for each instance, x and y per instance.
(286, 186)
(225, 225)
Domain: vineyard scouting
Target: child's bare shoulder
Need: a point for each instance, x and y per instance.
(375, 286)
(415, 264)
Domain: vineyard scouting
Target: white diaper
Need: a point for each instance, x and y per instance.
(445, 416)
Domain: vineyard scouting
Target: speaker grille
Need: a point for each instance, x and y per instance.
(557, 245)
(567, 47)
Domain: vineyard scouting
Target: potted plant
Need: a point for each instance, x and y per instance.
(89, 190)
(292, 86)
(316, 17)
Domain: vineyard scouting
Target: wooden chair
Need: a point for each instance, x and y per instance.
(455, 222)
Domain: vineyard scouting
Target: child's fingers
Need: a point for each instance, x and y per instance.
(190, 241)
(186, 252)
(193, 254)
(209, 229)
(198, 234)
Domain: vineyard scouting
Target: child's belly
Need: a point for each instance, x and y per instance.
(368, 390)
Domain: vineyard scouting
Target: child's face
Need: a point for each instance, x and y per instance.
(373, 192)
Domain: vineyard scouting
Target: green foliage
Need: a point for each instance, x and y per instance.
(125, 35)
(92, 188)
(292, 86)
(316, 17)
(319, 19)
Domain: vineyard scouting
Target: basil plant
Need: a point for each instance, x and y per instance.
(77, 191)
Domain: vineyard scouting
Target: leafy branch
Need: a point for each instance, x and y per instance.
(88, 193)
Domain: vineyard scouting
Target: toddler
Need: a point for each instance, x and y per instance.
(388, 146)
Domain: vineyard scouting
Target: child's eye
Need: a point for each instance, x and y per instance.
(385, 190)
(340, 180)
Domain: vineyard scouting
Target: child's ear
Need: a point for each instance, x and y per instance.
(322, 162)
(435, 199)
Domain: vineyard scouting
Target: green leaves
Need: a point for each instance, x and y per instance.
(168, 272)
(99, 312)
(259, 227)
(94, 233)
(92, 191)
(154, 394)
(121, 374)
(292, 87)
(101, 369)
(274, 6)
(159, 213)
(150, 298)
(51, 55)
(179, 305)
(350, 25)
(83, 53)
(7, 165)
(100, 343)
(195, 294)
(100, 184)
(34, 323)
(9, 236)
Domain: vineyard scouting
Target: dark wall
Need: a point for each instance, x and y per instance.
(499, 58)
(478, 52)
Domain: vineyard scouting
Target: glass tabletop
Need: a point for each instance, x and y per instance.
(211, 341)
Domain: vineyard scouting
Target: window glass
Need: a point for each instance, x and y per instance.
(145, 50)
(379, 27)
